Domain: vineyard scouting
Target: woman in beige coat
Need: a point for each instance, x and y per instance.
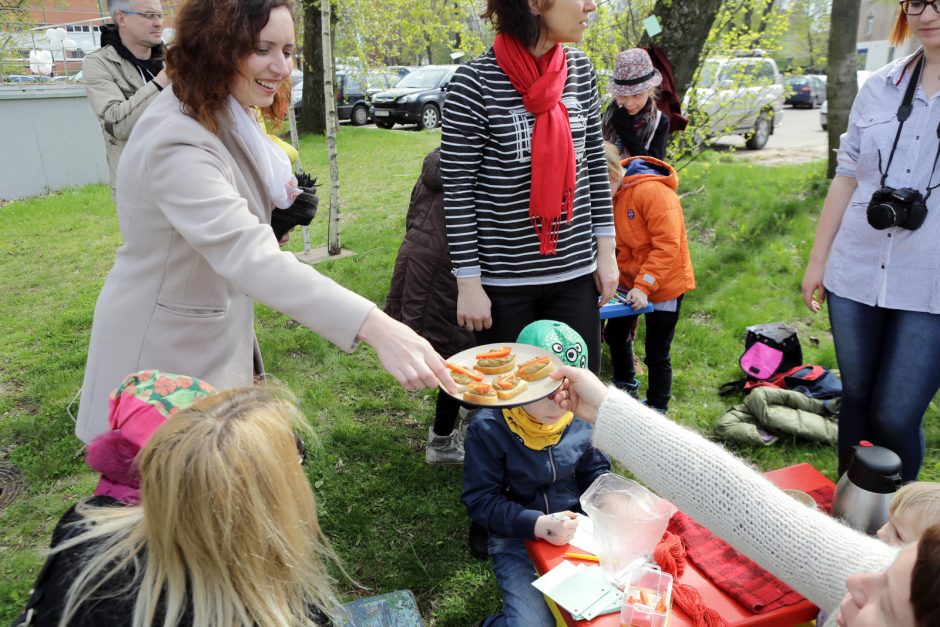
(195, 189)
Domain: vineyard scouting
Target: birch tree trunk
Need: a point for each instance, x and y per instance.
(333, 245)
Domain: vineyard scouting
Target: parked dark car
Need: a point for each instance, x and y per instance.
(417, 99)
(25, 78)
(804, 91)
(401, 70)
(353, 93)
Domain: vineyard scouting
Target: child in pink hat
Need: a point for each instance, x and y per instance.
(137, 408)
(632, 122)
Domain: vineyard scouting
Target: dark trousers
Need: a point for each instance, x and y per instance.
(573, 302)
(446, 411)
(660, 330)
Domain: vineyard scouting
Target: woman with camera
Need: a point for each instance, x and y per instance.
(876, 256)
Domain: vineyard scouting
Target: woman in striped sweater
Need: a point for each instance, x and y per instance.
(526, 196)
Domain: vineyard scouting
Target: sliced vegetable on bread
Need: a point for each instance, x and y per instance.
(509, 385)
(463, 379)
(481, 394)
(496, 361)
(535, 369)
(456, 368)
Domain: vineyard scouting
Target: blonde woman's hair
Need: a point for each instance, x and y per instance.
(227, 526)
(918, 502)
(614, 169)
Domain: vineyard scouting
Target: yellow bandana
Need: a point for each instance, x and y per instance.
(534, 434)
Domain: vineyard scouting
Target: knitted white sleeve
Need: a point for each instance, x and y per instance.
(808, 550)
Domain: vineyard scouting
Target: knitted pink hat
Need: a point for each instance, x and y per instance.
(633, 73)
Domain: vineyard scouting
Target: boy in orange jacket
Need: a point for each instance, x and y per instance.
(654, 262)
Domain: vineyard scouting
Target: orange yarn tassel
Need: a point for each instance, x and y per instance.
(670, 555)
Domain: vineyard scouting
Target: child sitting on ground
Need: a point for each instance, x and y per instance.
(914, 509)
(524, 471)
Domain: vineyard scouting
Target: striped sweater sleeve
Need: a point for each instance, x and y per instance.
(464, 133)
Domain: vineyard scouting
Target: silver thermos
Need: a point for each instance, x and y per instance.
(864, 492)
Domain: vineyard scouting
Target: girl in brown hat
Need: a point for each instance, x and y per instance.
(632, 122)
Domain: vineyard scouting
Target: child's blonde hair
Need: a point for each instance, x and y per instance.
(918, 502)
(614, 169)
(227, 526)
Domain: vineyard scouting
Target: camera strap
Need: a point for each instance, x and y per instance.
(904, 112)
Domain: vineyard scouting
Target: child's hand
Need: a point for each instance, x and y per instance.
(557, 528)
(637, 298)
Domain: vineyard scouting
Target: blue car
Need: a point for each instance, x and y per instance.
(804, 91)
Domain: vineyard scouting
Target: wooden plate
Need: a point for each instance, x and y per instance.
(524, 352)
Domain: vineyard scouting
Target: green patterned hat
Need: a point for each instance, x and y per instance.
(558, 339)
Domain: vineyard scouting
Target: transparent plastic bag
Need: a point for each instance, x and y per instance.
(629, 522)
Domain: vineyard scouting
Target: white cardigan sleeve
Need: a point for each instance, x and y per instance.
(810, 551)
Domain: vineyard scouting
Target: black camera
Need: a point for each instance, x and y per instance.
(902, 207)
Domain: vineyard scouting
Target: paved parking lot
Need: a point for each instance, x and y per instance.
(797, 139)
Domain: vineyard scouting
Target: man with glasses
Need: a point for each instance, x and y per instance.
(126, 73)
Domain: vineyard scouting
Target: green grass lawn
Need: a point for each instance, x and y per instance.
(396, 522)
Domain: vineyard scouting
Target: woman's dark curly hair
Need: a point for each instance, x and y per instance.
(515, 18)
(925, 580)
(212, 38)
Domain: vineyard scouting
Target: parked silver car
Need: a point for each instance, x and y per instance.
(738, 95)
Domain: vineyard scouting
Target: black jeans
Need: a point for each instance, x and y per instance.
(446, 411)
(660, 329)
(573, 302)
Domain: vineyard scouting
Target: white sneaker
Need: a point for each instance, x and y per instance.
(444, 449)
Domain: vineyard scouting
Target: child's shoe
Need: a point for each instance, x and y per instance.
(444, 449)
(632, 388)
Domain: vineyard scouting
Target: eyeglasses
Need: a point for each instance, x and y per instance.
(916, 7)
(147, 15)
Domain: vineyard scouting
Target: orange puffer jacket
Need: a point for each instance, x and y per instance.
(652, 248)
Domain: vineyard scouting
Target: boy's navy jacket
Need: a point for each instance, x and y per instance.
(507, 486)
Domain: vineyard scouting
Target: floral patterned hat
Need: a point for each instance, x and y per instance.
(138, 407)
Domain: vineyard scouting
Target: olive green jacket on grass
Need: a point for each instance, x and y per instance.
(770, 412)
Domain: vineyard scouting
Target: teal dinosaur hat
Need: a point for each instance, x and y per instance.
(558, 339)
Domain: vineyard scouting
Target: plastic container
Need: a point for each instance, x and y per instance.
(629, 521)
(647, 597)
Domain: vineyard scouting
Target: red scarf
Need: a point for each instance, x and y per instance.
(540, 82)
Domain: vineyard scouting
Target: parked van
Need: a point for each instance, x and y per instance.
(738, 95)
